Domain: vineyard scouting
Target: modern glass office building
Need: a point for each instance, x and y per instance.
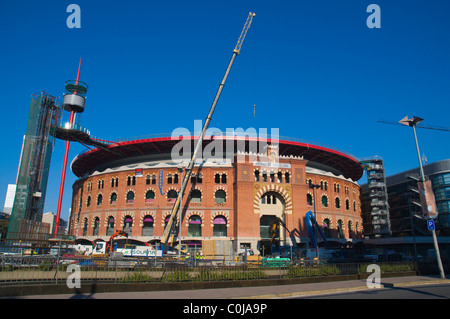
(408, 228)
(404, 198)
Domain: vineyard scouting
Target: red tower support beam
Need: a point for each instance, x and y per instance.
(63, 175)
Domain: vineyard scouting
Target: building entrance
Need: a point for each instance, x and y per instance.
(272, 207)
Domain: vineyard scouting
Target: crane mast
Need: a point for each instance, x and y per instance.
(187, 175)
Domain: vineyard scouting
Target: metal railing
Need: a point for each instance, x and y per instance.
(54, 270)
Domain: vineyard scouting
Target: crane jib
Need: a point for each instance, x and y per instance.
(177, 203)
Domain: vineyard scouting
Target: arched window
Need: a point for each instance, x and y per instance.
(128, 180)
(326, 228)
(264, 177)
(88, 201)
(340, 228)
(150, 196)
(324, 201)
(169, 179)
(175, 178)
(271, 198)
(220, 196)
(113, 198)
(85, 226)
(195, 226)
(110, 226)
(280, 177)
(196, 178)
(147, 228)
(128, 224)
(309, 199)
(217, 178)
(196, 196)
(350, 229)
(337, 202)
(96, 226)
(99, 199)
(172, 196)
(130, 197)
(286, 177)
(256, 176)
(337, 187)
(347, 204)
(147, 180)
(224, 178)
(220, 226)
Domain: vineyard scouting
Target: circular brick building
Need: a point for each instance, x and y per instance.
(238, 187)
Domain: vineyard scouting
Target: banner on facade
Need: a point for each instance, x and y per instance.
(427, 200)
(272, 164)
(160, 181)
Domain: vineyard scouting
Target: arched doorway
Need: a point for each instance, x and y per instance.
(272, 208)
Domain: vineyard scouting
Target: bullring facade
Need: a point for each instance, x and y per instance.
(132, 185)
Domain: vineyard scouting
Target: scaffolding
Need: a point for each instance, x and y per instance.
(378, 221)
(34, 163)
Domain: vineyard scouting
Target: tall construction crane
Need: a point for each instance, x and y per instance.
(439, 128)
(177, 204)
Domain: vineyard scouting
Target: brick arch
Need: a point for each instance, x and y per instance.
(113, 215)
(147, 213)
(220, 213)
(192, 213)
(150, 189)
(122, 218)
(93, 217)
(165, 215)
(171, 188)
(273, 188)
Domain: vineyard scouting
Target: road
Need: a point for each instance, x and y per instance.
(432, 291)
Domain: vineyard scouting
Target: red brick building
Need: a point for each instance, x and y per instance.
(232, 196)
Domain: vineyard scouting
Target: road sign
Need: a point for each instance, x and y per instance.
(430, 224)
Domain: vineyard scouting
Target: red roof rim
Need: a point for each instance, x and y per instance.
(211, 137)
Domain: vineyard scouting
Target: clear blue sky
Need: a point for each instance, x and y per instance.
(313, 68)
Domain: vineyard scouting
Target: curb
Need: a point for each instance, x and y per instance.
(339, 290)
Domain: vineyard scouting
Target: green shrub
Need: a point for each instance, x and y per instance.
(177, 276)
(322, 270)
(136, 277)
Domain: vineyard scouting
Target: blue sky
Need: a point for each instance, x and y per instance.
(313, 68)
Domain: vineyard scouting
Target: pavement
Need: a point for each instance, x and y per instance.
(261, 292)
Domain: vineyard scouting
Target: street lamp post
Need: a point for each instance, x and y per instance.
(413, 123)
(180, 209)
(314, 186)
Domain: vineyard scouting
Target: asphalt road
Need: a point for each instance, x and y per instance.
(432, 291)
